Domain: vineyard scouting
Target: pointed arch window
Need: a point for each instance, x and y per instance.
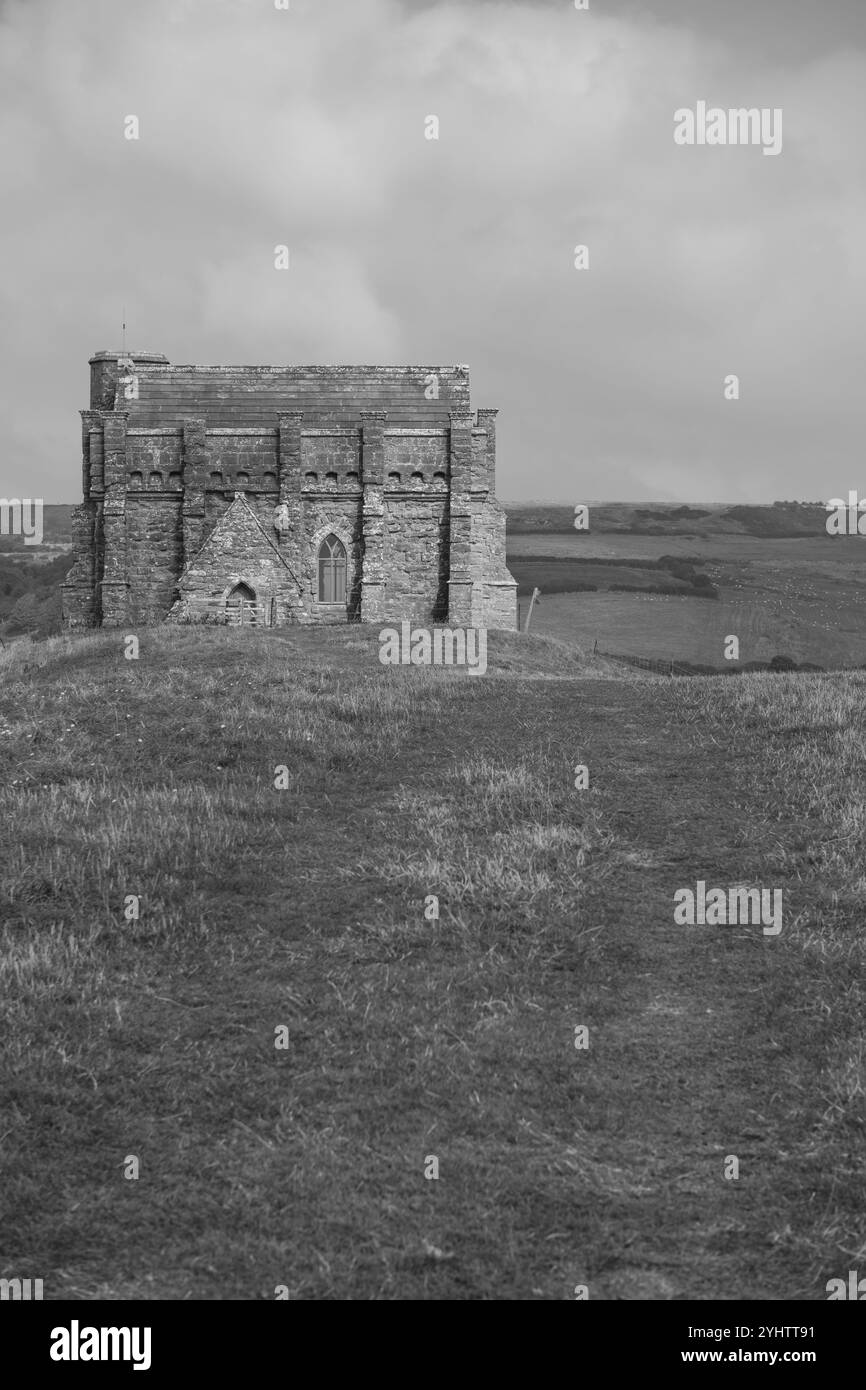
(332, 570)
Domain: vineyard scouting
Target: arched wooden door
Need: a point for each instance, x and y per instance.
(241, 606)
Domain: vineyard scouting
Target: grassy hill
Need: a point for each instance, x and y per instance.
(409, 1038)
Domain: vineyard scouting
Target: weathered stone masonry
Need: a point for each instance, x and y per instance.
(286, 495)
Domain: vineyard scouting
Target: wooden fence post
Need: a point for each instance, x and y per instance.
(535, 594)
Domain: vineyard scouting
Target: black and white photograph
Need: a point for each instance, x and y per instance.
(433, 666)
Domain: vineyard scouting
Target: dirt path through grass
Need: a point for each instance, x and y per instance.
(690, 1060)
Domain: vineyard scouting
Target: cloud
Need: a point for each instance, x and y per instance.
(306, 127)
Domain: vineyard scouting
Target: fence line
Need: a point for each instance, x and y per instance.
(667, 666)
(658, 666)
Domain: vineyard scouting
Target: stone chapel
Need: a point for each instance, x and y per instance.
(274, 495)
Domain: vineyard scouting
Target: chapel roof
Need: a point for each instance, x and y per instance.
(249, 396)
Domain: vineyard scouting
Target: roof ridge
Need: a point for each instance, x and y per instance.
(440, 367)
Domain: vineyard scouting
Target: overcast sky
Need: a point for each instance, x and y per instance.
(260, 126)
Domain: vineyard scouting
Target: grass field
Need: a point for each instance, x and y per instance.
(802, 598)
(411, 1038)
(563, 576)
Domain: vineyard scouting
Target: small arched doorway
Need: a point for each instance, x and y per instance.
(241, 606)
(332, 570)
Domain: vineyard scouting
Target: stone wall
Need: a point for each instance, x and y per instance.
(154, 552)
(331, 458)
(494, 595)
(216, 504)
(80, 590)
(416, 457)
(416, 557)
(154, 460)
(242, 460)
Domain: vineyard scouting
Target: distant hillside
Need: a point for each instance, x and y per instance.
(782, 519)
(30, 594)
(56, 531)
(31, 575)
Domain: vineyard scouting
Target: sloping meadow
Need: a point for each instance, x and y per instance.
(283, 926)
(209, 841)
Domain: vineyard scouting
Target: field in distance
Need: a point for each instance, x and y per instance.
(802, 597)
